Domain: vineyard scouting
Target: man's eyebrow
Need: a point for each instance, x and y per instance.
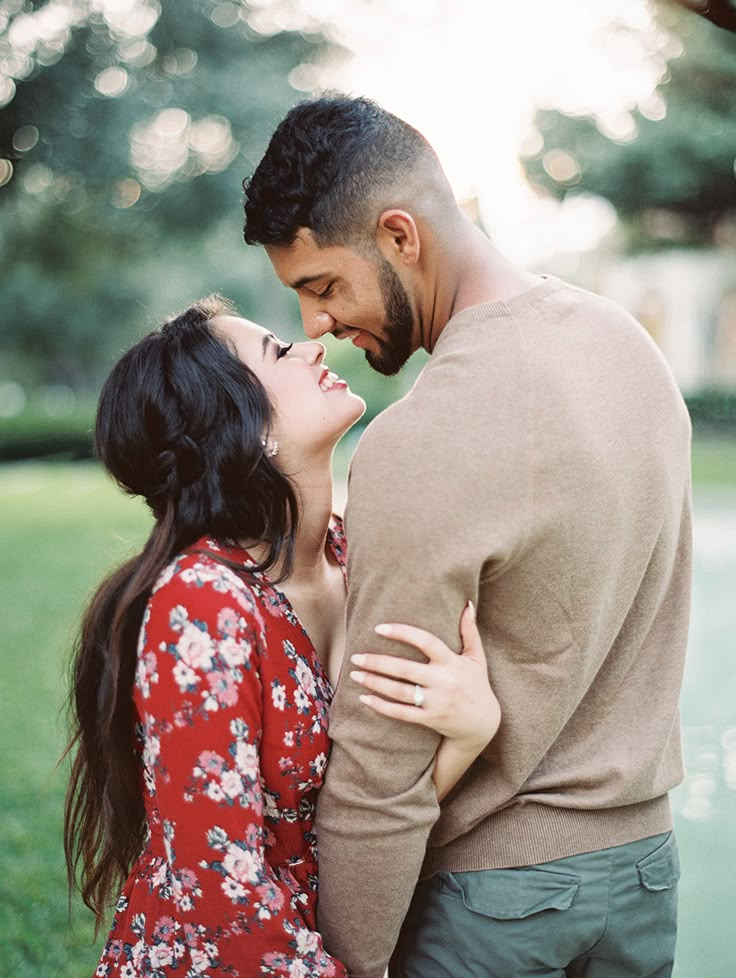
(306, 279)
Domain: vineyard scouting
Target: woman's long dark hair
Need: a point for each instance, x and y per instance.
(181, 422)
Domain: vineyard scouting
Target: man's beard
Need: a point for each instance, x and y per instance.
(396, 343)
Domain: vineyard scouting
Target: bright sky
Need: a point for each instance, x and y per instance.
(468, 74)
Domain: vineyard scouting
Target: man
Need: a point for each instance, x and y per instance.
(539, 466)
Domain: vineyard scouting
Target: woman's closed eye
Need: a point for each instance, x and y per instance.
(283, 350)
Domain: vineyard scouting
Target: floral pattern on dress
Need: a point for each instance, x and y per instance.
(231, 734)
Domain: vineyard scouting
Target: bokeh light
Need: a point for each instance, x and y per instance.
(25, 138)
(125, 193)
(112, 82)
(128, 18)
(6, 172)
(618, 126)
(225, 15)
(561, 166)
(41, 36)
(179, 62)
(138, 52)
(37, 179)
(653, 107)
(171, 145)
(7, 90)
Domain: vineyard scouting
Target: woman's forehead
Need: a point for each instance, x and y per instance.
(247, 336)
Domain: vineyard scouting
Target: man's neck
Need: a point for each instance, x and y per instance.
(463, 271)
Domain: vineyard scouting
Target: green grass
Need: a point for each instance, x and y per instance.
(61, 527)
(714, 461)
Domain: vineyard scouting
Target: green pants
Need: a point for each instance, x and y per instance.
(607, 914)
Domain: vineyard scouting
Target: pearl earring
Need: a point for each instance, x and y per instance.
(271, 452)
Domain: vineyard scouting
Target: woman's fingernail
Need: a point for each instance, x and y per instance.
(472, 609)
(358, 659)
(364, 699)
(383, 629)
(358, 677)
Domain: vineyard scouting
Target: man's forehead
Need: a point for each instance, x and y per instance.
(290, 259)
(303, 245)
(303, 260)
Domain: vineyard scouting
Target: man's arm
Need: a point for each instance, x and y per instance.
(459, 702)
(419, 539)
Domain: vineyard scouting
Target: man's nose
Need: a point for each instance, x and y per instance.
(316, 321)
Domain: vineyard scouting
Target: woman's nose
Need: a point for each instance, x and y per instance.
(311, 352)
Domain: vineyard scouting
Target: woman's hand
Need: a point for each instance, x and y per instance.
(450, 693)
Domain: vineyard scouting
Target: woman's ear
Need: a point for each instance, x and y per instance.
(397, 237)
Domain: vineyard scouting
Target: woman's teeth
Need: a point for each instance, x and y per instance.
(327, 381)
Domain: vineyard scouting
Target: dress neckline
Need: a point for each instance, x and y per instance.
(336, 547)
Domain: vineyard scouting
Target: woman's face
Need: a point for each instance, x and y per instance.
(313, 408)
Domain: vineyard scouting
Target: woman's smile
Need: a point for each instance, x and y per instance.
(329, 381)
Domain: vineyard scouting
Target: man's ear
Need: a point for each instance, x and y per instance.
(397, 237)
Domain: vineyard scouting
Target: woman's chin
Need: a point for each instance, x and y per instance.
(360, 406)
(349, 425)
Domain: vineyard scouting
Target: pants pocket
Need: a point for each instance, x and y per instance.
(660, 870)
(513, 894)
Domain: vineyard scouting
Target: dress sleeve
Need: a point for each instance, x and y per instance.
(199, 697)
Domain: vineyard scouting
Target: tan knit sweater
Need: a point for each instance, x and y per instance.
(539, 466)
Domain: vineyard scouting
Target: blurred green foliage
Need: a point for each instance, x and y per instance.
(36, 434)
(128, 153)
(672, 177)
(713, 410)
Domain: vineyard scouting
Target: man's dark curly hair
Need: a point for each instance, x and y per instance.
(333, 165)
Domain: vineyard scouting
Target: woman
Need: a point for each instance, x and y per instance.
(205, 666)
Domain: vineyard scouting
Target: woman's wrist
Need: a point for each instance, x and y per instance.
(476, 741)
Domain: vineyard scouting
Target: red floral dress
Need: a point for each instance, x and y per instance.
(232, 705)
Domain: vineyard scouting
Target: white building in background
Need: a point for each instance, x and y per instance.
(686, 299)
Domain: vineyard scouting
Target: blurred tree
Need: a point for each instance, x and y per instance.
(126, 128)
(669, 172)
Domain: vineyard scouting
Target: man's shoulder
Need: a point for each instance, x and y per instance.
(475, 379)
(435, 394)
(386, 431)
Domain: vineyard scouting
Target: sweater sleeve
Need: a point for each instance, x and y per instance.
(424, 525)
(200, 699)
